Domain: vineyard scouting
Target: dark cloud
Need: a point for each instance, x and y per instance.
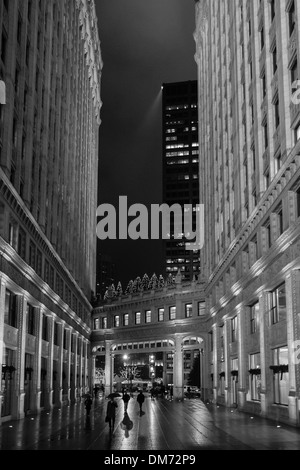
(144, 43)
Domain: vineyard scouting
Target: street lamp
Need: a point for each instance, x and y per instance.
(128, 371)
(152, 369)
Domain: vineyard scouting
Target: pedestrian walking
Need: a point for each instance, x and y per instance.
(140, 400)
(125, 398)
(88, 405)
(111, 413)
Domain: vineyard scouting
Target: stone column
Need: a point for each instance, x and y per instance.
(18, 404)
(215, 362)
(2, 345)
(49, 376)
(108, 368)
(79, 349)
(205, 378)
(75, 378)
(292, 285)
(178, 392)
(227, 361)
(37, 361)
(58, 401)
(264, 353)
(242, 360)
(69, 341)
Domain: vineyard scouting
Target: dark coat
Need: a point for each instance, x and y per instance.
(126, 398)
(111, 409)
(141, 398)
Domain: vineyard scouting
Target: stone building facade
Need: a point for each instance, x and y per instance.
(248, 60)
(170, 321)
(51, 66)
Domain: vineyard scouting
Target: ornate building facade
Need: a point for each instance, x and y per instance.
(168, 322)
(51, 68)
(249, 128)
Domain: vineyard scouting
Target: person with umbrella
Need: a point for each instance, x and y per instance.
(111, 411)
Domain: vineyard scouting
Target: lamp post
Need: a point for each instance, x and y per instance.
(128, 371)
(152, 369)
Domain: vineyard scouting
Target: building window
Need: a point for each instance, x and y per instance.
(255, 376)
(172, 313)
(292, 18)
(125, 319)
(104, 323)
(96, 324)
(272, 9)
(45, 328)
(13, 235)
(10, 309)
(234, 329)
(56, 334)
(30, 320)
(266, 136)
(279, 214)
(254, 318)
(22, 243)
(262, 39)
(161, 311)
(264, 85)
(65, 339)
(201, 309)
(277, 300)
(281, 377)
(116, 321)
(4, 47)
(294, 71)
(188, 310)
(277, 114)
(274, 56)
(32, 255)
(137, 318)
(38, 263)
(148, 317)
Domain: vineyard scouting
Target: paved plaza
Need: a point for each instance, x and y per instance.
(163, 426)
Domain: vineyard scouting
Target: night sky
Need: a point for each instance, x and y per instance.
(144, 43)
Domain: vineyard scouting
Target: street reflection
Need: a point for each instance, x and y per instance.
(126, 424)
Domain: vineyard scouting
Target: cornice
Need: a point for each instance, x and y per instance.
(134, 301)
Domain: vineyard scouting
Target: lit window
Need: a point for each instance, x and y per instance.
(188, 310)
(161, 313)
(137, 318)
(148, 317)
(172, 313)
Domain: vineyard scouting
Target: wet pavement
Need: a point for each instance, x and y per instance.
(163, 426)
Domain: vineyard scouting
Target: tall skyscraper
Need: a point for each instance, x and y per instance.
(249, 129)
(51, 66)
(180, 168)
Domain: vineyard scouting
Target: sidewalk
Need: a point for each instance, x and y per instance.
(164, 425)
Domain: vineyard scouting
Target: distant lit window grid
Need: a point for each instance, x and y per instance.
(101, 323)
